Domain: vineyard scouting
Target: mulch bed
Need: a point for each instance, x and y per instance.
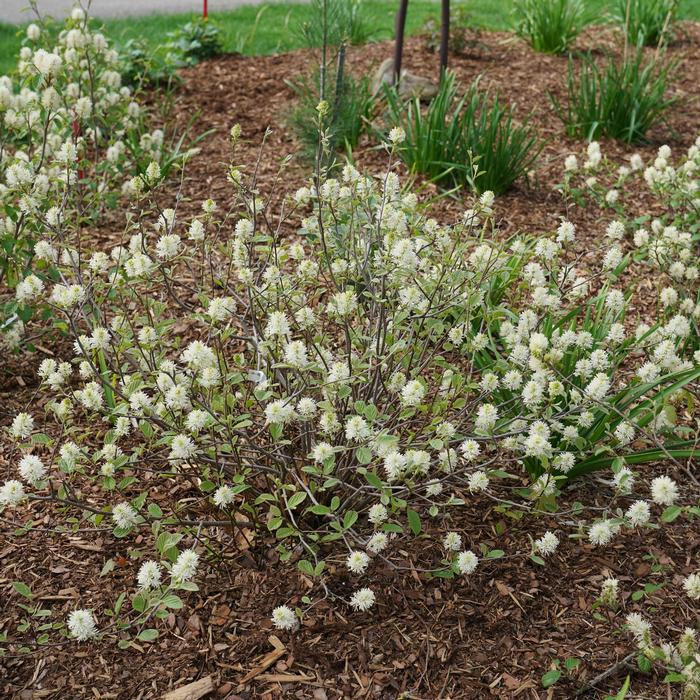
(489, 635)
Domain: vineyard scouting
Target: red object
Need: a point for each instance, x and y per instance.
(205, 11)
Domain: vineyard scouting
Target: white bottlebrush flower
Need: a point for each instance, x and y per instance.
(12, 493)
(357, 562)
(284, 618)
(570, 163)
(609, 592)
(356, 429)
(306, 408)
(638, 513)
(124, 515)
(397, 135)
(639, 628)
(197, 420)
(33, 32)
(29, 289)
(467, 562)
(221, 308)
(547, 544)
(81, 625)
(602, 532)
(277, 324)
(486, 417)
(412, 393)
(342, 304)
(363, 599)
(664, 491)
(224, 496)
(196, 231)
(624, 433)
(22, 426)
(181, 448)
(31, 469)
(470, 450)
(378, 542)
(150, 575)
(452, 541)
(624, 480)
(566, 232)
(377, 514)
(280, 411)
(321, 452)
(478, 481)
(185, 566)
(598, 387)
(296, 354)
(691, 585)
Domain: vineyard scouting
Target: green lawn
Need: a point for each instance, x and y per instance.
(276, 29)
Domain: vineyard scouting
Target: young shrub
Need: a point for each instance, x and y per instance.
(196, 41)
(350, 104)
(550, 26)
(347, 23)
(346, 103)
(142, 67)
(83, 119)
(468, 141)
(463, 32)
(622, 100)
(647, 22)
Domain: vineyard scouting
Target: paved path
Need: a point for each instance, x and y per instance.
(15, 10)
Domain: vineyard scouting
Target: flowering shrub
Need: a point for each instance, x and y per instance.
(681, 659)
(666, 244)
(335, 384)
(70, 130)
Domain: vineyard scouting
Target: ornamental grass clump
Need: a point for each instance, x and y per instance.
(470, 141)
(648, 22)
(624, 99)
(550, 26)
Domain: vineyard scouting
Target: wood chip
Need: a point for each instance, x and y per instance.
(191, 691)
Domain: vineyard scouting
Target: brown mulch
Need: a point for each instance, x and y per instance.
(491, 635)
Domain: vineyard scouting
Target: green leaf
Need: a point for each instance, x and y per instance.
(119, 602)
(671, 513)
(172, 601)
(364, 455)
(108, 566)
(675, 678)
(350, 519)
(571, 663)
(23, 589)
(537, 560)
(374, 480)
(147, 635)
(643, 663)
(138, 603)
(495, 554)
(298, 498)
(413, 521)
(550, 678)
(154, 510)
(306, 567)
